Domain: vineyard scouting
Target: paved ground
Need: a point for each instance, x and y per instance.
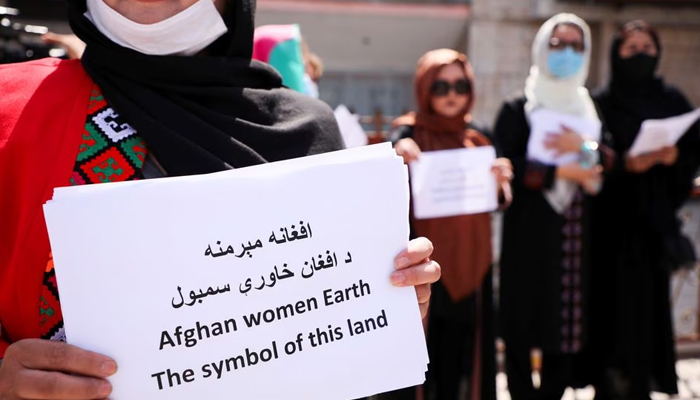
(689, 385)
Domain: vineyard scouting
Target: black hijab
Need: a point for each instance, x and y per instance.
(633, 97)
(625, 104)
(208, 113)
(636, 74)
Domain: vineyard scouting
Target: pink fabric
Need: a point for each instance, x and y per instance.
(267, 37)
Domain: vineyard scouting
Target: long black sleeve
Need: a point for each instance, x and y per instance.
(511, 133)
(686, 167)
(401, 132)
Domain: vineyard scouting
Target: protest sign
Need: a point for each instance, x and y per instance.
(270, 282)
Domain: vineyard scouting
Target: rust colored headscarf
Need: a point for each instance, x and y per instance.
(462, 243)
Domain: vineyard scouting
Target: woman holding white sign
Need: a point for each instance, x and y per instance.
(171, 80)
(544, 258)
(638, 241)
(460, 331)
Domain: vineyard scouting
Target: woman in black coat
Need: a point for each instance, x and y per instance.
(637, 240)
(546, 231)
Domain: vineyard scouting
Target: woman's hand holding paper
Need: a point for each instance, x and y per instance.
(641, 163)
(667, 155)
(41, 369)
(503, 170)
(408, 149)
(414, 268)
(567, 141)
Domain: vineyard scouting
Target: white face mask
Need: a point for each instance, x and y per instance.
(186, 33)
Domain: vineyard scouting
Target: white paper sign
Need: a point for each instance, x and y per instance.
(264, 283)
(656, 134)
(545, 122)
(454, 182)
(350, 128)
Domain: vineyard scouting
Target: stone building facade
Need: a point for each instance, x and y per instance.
(501, 33)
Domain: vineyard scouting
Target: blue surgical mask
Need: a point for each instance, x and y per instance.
(565, 63)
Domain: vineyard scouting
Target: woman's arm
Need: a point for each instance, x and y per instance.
(405, 146)
(510, 136)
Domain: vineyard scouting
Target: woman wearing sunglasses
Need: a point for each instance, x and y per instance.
(545, 250)
(460, 341)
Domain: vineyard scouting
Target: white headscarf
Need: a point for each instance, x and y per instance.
(568, 96)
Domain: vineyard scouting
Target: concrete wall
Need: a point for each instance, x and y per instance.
(361, 40)
(370, 50)
(500, 39)
(502, 31)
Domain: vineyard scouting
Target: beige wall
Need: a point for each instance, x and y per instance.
(681, 59)
(375, 39)
(502, 31)
(370, 49)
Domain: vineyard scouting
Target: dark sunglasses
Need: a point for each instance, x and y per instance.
(442, 88)
(557, 44)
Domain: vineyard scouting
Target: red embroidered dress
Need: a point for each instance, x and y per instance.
(110, 151)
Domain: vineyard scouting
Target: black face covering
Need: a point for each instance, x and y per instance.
(207, 113)
(635, 72)
(639, 68)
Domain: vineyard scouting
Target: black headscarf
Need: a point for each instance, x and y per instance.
(208, 113)
(625, 104)
(631, 97)
(627, 76)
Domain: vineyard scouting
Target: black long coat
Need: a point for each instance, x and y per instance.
(531, 306)
(634, 219)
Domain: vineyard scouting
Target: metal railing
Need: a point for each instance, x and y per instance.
(380, 126)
